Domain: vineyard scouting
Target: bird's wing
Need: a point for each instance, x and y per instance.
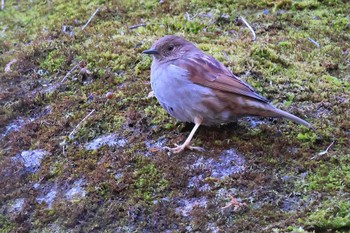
(207, 71)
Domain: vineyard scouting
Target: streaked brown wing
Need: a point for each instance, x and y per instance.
(207, 71)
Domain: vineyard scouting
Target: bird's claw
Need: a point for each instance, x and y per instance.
(235, 203)
(179, 148)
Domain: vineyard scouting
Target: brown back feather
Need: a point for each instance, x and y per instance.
(207, 71)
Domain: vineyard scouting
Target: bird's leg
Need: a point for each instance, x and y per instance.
(186, 144)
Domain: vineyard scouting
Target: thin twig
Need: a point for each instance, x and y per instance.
(137, 26)
(250, 28)
(323, 152)
(71, 135)
(314, 42)
(326, 151)
(188, 16)
(90, 19)
(69, 72)
(8, 65)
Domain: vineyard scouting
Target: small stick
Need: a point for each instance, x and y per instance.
(90, 19)
(323, 152)
(326, 151)
(188, 16)
(69, 72)
(8, 65)
(314, 42)
(71, 135)
(137, 26)
(250, 28)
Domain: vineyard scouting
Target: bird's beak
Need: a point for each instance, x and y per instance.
(150, 51)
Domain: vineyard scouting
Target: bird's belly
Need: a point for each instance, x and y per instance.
(182, 103)
(179, 96)
(186, 111)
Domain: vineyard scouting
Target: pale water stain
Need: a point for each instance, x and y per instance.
(229, 162)
(110, 140)
(76, 192)
(31, 159)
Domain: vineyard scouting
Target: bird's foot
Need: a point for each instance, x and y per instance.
(235, 203)
(179, 148)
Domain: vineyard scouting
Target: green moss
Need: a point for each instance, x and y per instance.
(160, 116)
(331, 214)
(53, 61)
(331, 177)
(335, 82)
(307, 136)
(308, 4)
(5, 225)
(340, 24)
(57, 169)
(148, 182)
(103, 189)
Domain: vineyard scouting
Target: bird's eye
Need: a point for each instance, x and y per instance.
(170, 47)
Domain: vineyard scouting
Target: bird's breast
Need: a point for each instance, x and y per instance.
(176, 93)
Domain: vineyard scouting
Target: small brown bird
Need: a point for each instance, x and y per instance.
(194, 87)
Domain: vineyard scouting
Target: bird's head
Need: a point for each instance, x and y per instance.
(170, 47)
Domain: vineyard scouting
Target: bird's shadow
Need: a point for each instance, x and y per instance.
(247, 129)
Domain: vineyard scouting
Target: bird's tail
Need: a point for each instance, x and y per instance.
(280, 113)
(252, 107)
